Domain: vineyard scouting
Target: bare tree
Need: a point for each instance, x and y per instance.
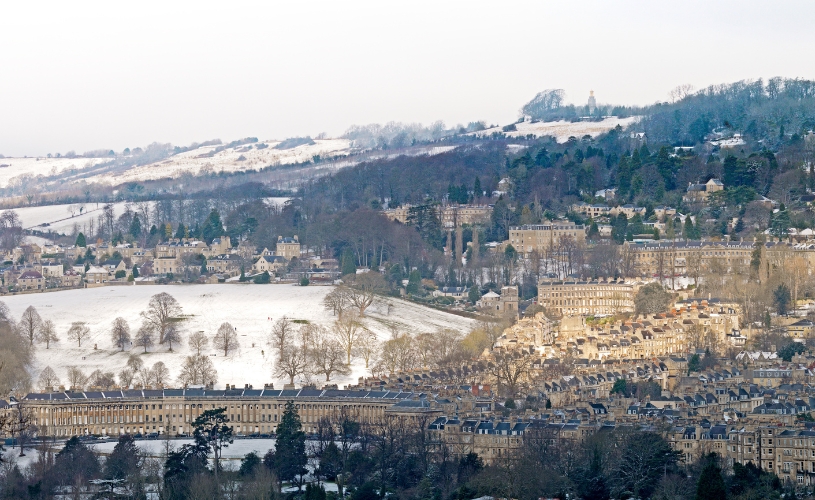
(226, 339)
(144, 377)
(162, 310)
(680, 92)
(509, 370)
(363, 289)
(172, 334)
(398, 354)
(120, 333)
(367, 347)
(30, 324)
(144, 337)
(198, 341)
(98, 378)
(337, 300)
(325, 354)
(282, 330)
(159, 374)
(126, 377)
(22, 424)
(424, 345)
(135, 363)
(347, 329)
(48, 378)
(292, 356)
(198, 370)
(76, 377)
(47, 333)
(78, 332)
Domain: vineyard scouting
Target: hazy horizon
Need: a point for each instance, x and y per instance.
(112, 76)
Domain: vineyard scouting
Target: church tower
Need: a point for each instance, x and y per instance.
(592, 102)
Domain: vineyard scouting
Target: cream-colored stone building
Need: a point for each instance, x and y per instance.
(586, 298)
(540, 237)
(288, 248)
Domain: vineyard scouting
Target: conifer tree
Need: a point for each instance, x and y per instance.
(288, 459)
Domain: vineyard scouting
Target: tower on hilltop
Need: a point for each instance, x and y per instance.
(592, 102)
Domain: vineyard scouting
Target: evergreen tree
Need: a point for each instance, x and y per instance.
(711, 483)
(135, 227)
(414, 282)
(204, 266)
(624, 177)
(348, 264)
(474, 294)
(213, 433)
(478, 191)
(181, 231)
(123, 462)
(80, 240)
(694, 364)
(330, 462)
(289, 459)
(781, 299)
(213, 228)
(135, 271)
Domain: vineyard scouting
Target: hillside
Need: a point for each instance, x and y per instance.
(561, 130)
(249, 308)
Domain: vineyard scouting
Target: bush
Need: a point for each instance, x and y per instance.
(263, 278)
(304, 281)
(120, 274)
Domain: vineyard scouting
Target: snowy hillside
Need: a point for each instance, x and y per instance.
(201, 160)
(562, 130)
(12, 170)
(61, 218)
(237, 159)
(250, 308)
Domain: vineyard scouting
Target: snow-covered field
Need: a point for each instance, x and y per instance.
(198, 160)
(15, 167)
(562, 130)
(252, 309)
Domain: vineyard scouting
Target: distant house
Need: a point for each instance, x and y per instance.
(113, 266)
(801, 329)
(96, 276)
(268, 264)
(51, 269)
(505, 304)
(606, 193)
(288, 248)
(71, 278)
(229, 264)
(457, 292)
(30, 280)
(698, 193)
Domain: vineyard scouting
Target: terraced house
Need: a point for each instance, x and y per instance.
(250, 411)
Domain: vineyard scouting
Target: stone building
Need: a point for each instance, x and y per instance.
(540, 237)
(587, 298)
(288, 248)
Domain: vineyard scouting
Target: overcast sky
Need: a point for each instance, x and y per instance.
(82, 76)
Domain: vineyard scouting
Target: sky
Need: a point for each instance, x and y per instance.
(109, 75)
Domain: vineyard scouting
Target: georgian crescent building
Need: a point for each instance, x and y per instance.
(250, 411)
